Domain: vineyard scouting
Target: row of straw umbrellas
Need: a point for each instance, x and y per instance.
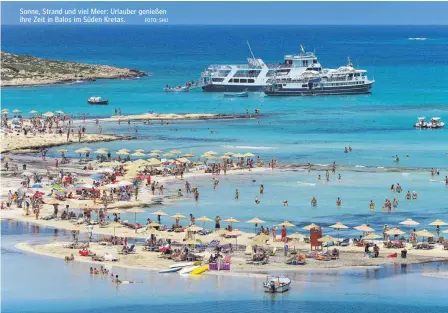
(47, 114)
(338, 226)
(209, 155)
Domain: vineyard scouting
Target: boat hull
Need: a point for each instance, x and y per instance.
(170, 270)
(325, 91)
(104, 102)
(231, 88)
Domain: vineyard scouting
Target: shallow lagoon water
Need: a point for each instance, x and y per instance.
(26, 286)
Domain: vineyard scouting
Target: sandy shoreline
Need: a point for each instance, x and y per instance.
(174, 117)
(14, 142)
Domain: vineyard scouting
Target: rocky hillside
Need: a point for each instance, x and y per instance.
(25, 70)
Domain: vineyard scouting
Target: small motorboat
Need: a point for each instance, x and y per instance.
(177, 89)
(97, 101)
(421, 123)
(170, 270)
(436, 122)
(243, 94)
(276, 284)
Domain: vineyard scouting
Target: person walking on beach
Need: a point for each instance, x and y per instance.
(68, 134)
(237, 194)
(57, 163)
(217, 225)
(90, 231)
(274, 233)
(187, 187)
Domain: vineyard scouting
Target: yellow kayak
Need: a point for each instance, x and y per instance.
(199, 270)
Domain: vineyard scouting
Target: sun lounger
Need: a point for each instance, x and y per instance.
(345, 242)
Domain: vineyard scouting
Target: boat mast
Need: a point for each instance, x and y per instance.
(253, 56)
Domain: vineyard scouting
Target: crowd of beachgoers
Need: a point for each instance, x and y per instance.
(88, 194)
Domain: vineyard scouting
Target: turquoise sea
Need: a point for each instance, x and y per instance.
(411, 80)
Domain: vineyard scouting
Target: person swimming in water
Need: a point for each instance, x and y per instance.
(392, 188)
(339, 176)
(237, 194)
(338, 202)
(314, 202)
(319, 178)
(285, 203)
(261, 189)
(257, 201)
(398, 188)
(372, 205)
(414, 195)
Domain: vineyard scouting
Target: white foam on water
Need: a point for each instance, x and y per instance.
(359, 166)
(416, 38)
(380, 166)
(322, 164)
(405, 174)
(306, 184)
(248, 147)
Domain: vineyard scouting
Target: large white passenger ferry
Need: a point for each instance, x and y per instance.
(299, 75)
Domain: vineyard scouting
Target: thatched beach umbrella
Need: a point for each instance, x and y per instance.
(296, 235)
(260, 239)
(32, 112)
(122, 152)
(154, 154)
(338, 226)
(204, 219)
(235, 233)
(255, 221)
(438, 223)
(231, 220)
(249, 155)
(371, 236)
(139, 150)
(138, 154)
(48, 114)
(154, 162)
(194, 228)
(311, 226)
(159, 213)
(326, 239)
(409, 222)
(174, 152)
(423, 233)
(154, 224)
(188, 155)
(364, 228)
(394, 231)
(210, 153)
(135, 211)
(156, 151)
(177, 217)
(60, 112)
